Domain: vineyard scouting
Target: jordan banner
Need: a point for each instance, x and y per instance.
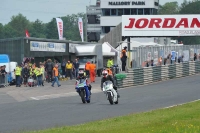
(60, 28)
(80, 26)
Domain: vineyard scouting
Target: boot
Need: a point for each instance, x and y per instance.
(118, 94)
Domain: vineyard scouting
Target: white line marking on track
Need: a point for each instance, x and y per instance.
(180, 104)
(52, 96)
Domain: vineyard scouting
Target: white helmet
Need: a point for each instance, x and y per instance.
(105, 73)
(81, 73)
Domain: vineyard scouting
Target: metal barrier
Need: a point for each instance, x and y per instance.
(147, 75)
(139, 55)
(4, 80)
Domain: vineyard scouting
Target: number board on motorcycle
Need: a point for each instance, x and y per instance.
(106, 87)
(81, 85)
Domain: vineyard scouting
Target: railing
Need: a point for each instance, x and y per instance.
(4, 80)
(149, 75)
(139, 55)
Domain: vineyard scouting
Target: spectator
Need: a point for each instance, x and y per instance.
(55, 76)
(110, 62)
(49, 68)
(25, 74)
(123, 58)
(180, 59)
(169, 60)
(76, 68)
(37, 72)
(69, 68)
(195, 56)
(160, 61)
(63, 65)
(147, 64)
(18, 75)
(42, 70)
(3, 71)
(165, 61)
(87, 69)
(152, 63)
(92, 68)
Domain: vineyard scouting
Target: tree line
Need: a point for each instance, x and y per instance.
(187, 7)
(17, 25)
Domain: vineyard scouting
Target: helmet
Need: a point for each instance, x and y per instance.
(81, 73)
(105, 73)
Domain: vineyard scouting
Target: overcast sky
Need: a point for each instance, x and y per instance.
(45, 10)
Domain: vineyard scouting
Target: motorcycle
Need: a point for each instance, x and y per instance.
(82, 89)
(110, 92)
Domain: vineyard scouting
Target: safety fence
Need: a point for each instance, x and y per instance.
(147, 75)
(4, 81)
(140, 55)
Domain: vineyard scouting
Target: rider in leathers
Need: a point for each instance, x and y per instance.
(107, 77)
(81, 76)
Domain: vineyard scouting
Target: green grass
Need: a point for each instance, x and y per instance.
(179, 119)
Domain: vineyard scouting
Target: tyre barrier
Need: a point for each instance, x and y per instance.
(147, 75)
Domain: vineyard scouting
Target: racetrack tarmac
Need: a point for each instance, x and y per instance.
(41, 114)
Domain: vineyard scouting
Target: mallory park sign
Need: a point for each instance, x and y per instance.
(127, 3)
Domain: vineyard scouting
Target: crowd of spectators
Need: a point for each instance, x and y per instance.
(168, 60)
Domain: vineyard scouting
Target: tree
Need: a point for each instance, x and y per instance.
(71, 31)
(16, 27)
(70, 27)
(1, 31)
(190, 8)
(51, 30)
(9, 32)
(169, 8)
(37, 29)
(19, 23)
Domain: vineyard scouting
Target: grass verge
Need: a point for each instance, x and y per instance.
(179, 119)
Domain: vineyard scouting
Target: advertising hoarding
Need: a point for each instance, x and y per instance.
(47, 46)
(129, 4)
(161, 25)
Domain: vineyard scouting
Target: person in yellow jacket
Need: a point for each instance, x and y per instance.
(30, 71)
(42, 69)
(68, 70)
(18, 75)
(38, 75)
(110, 62)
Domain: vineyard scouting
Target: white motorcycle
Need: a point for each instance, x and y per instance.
(110, 92)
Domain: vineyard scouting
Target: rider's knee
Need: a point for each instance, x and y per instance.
(115, 87)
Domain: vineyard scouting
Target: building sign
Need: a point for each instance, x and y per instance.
(127, 3)
(47, 46)
(161, 25)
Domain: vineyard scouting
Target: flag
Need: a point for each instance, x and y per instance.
(27, 34)
(80, 26)
(60, 28)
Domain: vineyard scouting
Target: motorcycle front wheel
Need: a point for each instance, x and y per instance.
(82, 94)
(116, 101)
(110, 98)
